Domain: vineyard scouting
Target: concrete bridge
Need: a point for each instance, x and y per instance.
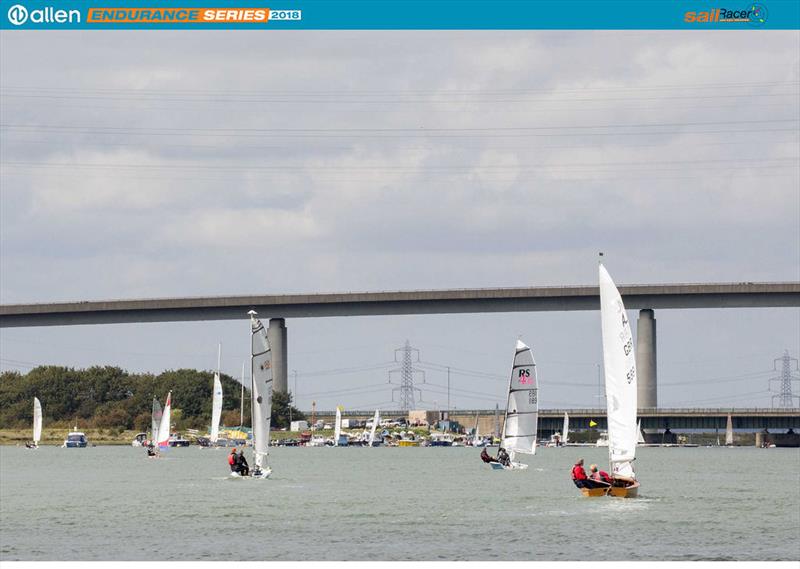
(455, 301)
(654, 421)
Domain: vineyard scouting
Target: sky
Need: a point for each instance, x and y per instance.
(144, 164)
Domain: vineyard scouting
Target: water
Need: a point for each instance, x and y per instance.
(112, 503)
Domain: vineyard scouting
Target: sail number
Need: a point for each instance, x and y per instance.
(631, 374)
(533, 396)
(628, 347)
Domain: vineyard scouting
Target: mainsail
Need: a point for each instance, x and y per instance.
(375, 420)
(565, 429)
(522, 406)
(337, 428)
(216, 408)
(620, 373)
(261, 390)
(37, 420)
(729, 432)
(156, 421)
(164, 425)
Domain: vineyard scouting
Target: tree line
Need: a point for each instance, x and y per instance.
(110, 397)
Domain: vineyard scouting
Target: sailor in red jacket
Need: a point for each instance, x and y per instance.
(579, 475)
(232, 460)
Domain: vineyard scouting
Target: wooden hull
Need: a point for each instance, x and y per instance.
(631, 491)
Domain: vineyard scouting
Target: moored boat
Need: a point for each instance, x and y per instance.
(76, 439)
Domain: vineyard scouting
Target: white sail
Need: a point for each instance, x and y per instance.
(729, 432)
(261, 390)
(522, 406)
(565, 429)
(639, 433)
(619, 365)
(216, 408)
(37, 420)
(337, 427)
(164, 425)
(477, 438)
(375, 420)
(155, 421)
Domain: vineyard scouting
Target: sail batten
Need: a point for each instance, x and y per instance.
(522, 406)
(619, 364)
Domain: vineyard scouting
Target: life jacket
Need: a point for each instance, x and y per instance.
(578, 473)
(231, 459)
(604, 475)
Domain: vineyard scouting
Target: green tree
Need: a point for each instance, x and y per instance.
(281, 405)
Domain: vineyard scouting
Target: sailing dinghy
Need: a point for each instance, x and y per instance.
(162, 441)
(216, 405)
(522, 410)
(261, 397)
(729, 432)
(619, 366)
(37, 424)
(375, 420)
(565, 430)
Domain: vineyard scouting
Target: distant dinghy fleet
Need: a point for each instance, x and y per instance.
(519, 432)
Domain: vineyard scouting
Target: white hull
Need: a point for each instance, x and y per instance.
(512, 466)
(266, 473)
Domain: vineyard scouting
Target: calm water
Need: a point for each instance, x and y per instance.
(394, 504)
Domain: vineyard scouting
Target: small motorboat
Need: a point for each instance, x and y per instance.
(76, 439)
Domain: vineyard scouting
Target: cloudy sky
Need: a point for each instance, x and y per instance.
(141, 164)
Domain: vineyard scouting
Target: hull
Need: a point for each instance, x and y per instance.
(514, 466)
(408, 443)
(263, 475)
(631, 491)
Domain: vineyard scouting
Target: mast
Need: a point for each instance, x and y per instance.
(241, 401)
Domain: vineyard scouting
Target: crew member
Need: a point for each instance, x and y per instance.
(579, 476)
(502, 457)
(486, 457)
(599, 475)
(232, 460)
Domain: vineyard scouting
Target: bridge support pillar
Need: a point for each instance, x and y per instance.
(277, 336)
(647, 372)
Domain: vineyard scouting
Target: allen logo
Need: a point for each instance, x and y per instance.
(19, 15)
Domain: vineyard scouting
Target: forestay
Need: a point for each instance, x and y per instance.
(620, 373)
(261, 374)
(522, 406)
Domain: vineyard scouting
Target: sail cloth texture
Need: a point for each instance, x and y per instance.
(216, 408)
(522, 406)
(375, 420)
(619, 364)
(164, 424)
(565, 430)
(37, 420)
(261, 373)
